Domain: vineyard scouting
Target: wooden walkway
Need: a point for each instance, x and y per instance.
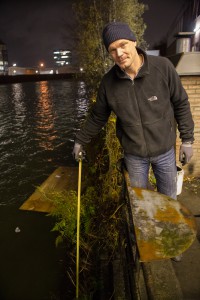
(63, 178)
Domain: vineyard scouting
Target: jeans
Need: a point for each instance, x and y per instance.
(164, 169)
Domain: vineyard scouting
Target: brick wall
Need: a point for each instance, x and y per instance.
(192, 87)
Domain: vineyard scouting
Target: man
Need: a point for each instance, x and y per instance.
(147, 96)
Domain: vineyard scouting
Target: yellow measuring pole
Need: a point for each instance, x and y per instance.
(78, 227)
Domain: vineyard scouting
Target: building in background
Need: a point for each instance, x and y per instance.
(3, 59)
(182, 47)
(62, 58)
(63, 62)
(153, 52)
(14, 70)
(184, 33)
(196, 40)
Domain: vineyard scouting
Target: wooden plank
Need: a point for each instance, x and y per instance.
(63, 178)
(163, 227)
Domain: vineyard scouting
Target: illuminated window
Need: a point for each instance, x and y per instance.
(62, 57)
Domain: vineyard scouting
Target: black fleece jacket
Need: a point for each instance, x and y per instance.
(147, 108)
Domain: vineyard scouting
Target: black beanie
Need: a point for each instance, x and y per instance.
(116, 31)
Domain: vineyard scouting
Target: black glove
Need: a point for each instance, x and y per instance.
(78, 152)
(185, 153)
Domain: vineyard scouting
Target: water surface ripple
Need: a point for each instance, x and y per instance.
(38, 121)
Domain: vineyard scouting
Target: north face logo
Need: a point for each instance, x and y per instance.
(153, 98)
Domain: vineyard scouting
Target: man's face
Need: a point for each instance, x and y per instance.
(123, 52)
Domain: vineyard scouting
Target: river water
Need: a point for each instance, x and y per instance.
(38, 121)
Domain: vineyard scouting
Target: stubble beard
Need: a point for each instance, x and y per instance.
(124, 66)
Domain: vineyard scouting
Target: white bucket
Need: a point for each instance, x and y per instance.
(180, 175)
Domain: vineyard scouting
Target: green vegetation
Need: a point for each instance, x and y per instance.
(100, 200)
(172, 241)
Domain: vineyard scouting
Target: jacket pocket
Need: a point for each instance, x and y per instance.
(160, 135)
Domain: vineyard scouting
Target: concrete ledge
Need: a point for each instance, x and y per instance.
(161, 281)
(159, 276)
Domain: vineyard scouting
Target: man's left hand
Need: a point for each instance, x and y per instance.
(185, 153)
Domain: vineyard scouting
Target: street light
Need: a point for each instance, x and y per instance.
(41, 65)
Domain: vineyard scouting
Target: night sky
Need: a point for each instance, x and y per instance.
(32, 29)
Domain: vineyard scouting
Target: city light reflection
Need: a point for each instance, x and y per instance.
(45, 118)
(19, 105)
(82, 100)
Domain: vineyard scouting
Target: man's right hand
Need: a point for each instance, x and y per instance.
(185, 153)
(77, 151)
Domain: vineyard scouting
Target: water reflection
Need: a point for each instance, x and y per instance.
(82, 100)
(45, 116)
(38, 123)
(19, 105)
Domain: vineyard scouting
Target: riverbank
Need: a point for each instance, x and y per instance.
(38, 77)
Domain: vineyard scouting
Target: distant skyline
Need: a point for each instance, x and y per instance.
(32, 30)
